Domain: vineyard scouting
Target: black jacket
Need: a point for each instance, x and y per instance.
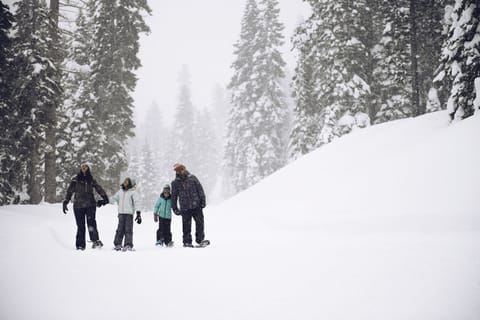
(82, 186)
(189, 192)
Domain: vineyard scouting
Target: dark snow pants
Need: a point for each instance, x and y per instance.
(124, 229)
(80, 215)
(197, 215)
(164, 232)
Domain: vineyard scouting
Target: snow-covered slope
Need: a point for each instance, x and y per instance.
(383, 223)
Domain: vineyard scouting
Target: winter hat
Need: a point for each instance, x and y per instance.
(178, 167)
(86, 163)
(166, 188)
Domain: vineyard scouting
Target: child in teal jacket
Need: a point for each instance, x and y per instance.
(162, 213)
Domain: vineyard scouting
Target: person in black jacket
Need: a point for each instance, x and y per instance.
(188, 192)
(84, 205)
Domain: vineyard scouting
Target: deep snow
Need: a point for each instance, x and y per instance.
(383, 223)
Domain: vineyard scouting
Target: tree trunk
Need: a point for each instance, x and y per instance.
(50, 150)
(414, 61)
(34, 189)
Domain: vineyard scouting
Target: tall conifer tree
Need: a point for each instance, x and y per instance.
(462, 59)
(34, 92)
(184, 129)
(118, 24)
(240, 138)
(7, 111)
(255, 144)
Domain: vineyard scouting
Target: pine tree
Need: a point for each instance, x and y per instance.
(461, 57)
(147, 179)
(240, 138)
(255, 135)
(208, 152)
(337, 40)
(431, 37)
(154, 126)
(54, 78)
(270, 114)
(393, 76)
(7, 120)
(77, 133)
(184, 129)
(307, 113)
(33, 94)
(118, 24)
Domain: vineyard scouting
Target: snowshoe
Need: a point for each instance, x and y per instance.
(188, 245)
(117, 248)
(170, 244)
(203, 244)
(159, 243)
(127, 248)
(80, 248)
(97, 244)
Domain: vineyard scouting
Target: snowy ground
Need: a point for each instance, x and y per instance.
(381, 224)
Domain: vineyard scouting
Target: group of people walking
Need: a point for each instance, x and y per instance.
(186, 198)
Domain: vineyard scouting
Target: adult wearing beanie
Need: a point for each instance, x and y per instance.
(84, 205)
(188, 192)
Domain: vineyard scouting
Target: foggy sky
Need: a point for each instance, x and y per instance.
(201, 35)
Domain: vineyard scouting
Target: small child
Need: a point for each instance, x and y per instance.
(162, 213)
(126, 209)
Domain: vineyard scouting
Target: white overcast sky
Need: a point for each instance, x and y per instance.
(201, 35)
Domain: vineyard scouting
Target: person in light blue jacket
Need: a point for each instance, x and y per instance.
(162, 213)
(126, 209)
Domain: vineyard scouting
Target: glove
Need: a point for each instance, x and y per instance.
(102, 202)
(176, 211)
(138, 218)
(65, 209)
(202, 205)
(155, 218)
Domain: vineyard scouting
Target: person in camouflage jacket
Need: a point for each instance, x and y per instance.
(188, 192)
(84, 205)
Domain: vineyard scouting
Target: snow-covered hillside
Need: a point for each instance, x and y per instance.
(383, 223)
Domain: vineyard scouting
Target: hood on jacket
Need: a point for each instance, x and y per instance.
(131, 183)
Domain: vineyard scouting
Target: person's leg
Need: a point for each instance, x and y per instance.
(199, 225)
(187, 227)
(167, 232)
(80, 220)
(128, 230)
(120, 231)
(92, 223)
(161, 230)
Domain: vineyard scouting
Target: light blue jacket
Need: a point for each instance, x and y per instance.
(126, 200)
(163, 207)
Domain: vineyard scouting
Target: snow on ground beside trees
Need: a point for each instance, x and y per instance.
(383, 223)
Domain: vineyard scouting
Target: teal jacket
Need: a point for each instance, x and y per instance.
(163, 207)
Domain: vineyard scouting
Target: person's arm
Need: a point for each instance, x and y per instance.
(157, 206)
(68, 196)
(116, 197)
(175, 198)
(134, 200)
(100, 190)
(70, 190)
(201, 193)
(138, 219)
